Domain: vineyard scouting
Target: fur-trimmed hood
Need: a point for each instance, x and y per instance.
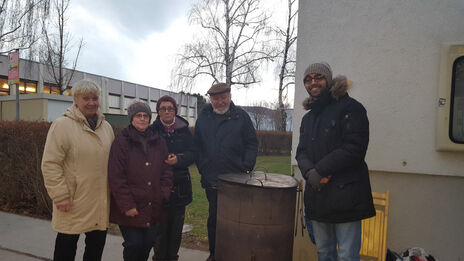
(338, 89)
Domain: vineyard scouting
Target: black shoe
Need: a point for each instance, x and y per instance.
(211, 258)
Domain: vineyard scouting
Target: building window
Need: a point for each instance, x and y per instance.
(153, 106)
(51, 88)
(183, 111)
(113, 101)
(4, 87)
(26, 87)
(191, 112)
(68, 91)
(128, 101)
(457, 102)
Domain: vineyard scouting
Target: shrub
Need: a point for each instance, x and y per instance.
(274, 142)
(21, 181)
(21, 148)
(271, 142)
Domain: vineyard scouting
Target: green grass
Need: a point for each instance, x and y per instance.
(274, 164)
(197, 212)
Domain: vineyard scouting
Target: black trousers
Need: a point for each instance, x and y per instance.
(170, 235)
(66, 245)
(211, 195)
(137, 242)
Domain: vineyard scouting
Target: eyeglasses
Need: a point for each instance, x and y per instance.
(141, 116)
(316, 78)
(166, 109)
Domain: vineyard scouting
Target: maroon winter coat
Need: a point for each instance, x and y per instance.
(137, 179)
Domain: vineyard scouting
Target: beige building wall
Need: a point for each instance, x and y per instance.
(394, 52)
(30, 110)
(34, 107)
(425, 211)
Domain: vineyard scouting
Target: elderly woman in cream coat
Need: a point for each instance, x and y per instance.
(74, 167)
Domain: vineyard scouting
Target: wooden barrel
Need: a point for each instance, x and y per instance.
(255, 217)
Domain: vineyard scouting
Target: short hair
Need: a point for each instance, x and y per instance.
(85, 86)
(166, 98)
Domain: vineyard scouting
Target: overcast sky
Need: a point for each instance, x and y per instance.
(137, 41)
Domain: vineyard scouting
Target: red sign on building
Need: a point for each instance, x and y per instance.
(13, 70)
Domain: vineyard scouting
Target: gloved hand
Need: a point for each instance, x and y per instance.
(314, 179)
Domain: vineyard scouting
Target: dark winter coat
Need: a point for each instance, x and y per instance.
(179, 142)
(230, 146)
(334, 136)
(138, 179)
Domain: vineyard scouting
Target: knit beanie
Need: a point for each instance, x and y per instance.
(166, 98)
(321, 68)
(138, 106)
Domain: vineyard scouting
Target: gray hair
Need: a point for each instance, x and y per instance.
(85, 86)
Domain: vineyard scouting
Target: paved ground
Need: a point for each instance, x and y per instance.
(30, 239)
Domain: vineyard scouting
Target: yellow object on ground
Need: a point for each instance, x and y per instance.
(374, 229)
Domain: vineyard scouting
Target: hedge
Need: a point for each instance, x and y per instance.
(21, 148)
(21, 182)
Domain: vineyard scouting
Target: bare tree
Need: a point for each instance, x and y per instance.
(276, 116)
(287, 61)
(232, 47)
(260, 113)
(57, 45)
(19, 23)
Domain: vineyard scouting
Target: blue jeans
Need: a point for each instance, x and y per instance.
(137, 242)
(346, 235)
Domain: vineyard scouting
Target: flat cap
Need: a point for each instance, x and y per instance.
(219, 88)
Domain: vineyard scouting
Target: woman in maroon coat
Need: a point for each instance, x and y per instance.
(140, 182)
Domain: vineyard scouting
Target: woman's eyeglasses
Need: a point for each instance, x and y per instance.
(166, 109)
(142, 116)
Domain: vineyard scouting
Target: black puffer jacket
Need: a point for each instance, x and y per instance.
(179, 142)
(334, 136)
(230, 146)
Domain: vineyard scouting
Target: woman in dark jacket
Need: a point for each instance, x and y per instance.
(174, 130)
(140, 182)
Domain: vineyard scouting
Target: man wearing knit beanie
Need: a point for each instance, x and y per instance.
(138, 106)
(334, 135)
(314, 76)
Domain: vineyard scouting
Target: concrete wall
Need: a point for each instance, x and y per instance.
(392, 52)
(30, 110)
(34, 107)
(425, 211)
(56, 108)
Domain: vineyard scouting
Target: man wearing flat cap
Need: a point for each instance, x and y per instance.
(226, 142)
(334, 135)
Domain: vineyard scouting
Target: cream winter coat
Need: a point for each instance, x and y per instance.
(74, 166)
